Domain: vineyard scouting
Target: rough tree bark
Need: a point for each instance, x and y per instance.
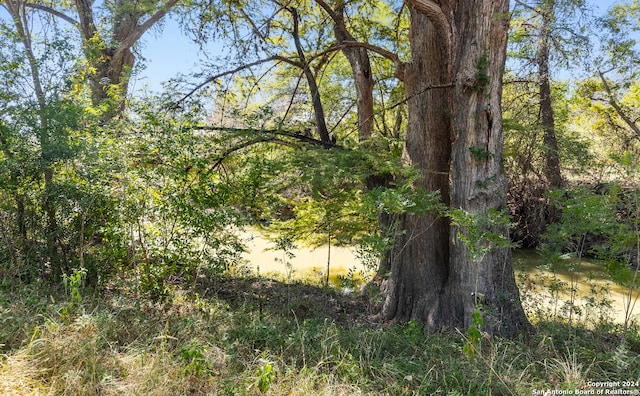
(419, 259)
(453, 86)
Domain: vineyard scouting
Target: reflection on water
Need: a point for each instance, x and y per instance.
(534, 282)
(304, 264)
(553, 289)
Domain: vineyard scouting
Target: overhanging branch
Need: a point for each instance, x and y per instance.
(304, 137)
(249, 143)
(276, 137)
(434, 12)
(617, 108)
(373, 48)
(54, 12)
(278, 58)
(425, 89)
(226, 73)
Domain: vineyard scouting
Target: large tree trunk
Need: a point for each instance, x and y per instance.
(110, 65)
(419, 260)
(478, 181)
(112, 70)
(454, 136)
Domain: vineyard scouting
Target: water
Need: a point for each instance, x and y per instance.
(311, 265)
(587, 277)
(306, 264)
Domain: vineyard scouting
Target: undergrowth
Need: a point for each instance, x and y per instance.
(242, 337)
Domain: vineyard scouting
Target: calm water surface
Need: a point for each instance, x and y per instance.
(533, 280)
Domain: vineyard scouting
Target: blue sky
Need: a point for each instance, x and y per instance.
(170, 53)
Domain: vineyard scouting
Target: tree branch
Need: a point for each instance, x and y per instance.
(351, 42)
(434, 12)
(53, 12)
(519, 81)
(617, 107)
(272, 58)
(378, 50)
(427, 88)
(254, 27)
(131, 39)
(87, 25)
(527, 6)
(226, 73)
(239, 147)
(261, 139)
(318, 110)
(295, 135)
(337, 19)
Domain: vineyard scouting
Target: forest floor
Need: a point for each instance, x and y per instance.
(253, 336)
(299, 299)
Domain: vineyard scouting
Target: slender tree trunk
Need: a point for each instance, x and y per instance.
(318, 109)
(20, 219)
(362, 75)
(52, 222)
(434, 279)
(359, 60)
(18, 197)
(547, 119)
(18, 11)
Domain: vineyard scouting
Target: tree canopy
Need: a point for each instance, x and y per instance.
(393, 126)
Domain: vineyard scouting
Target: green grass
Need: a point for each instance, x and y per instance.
(248, 336)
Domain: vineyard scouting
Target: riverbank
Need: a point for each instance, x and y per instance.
(254, 336)
(539, 287)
